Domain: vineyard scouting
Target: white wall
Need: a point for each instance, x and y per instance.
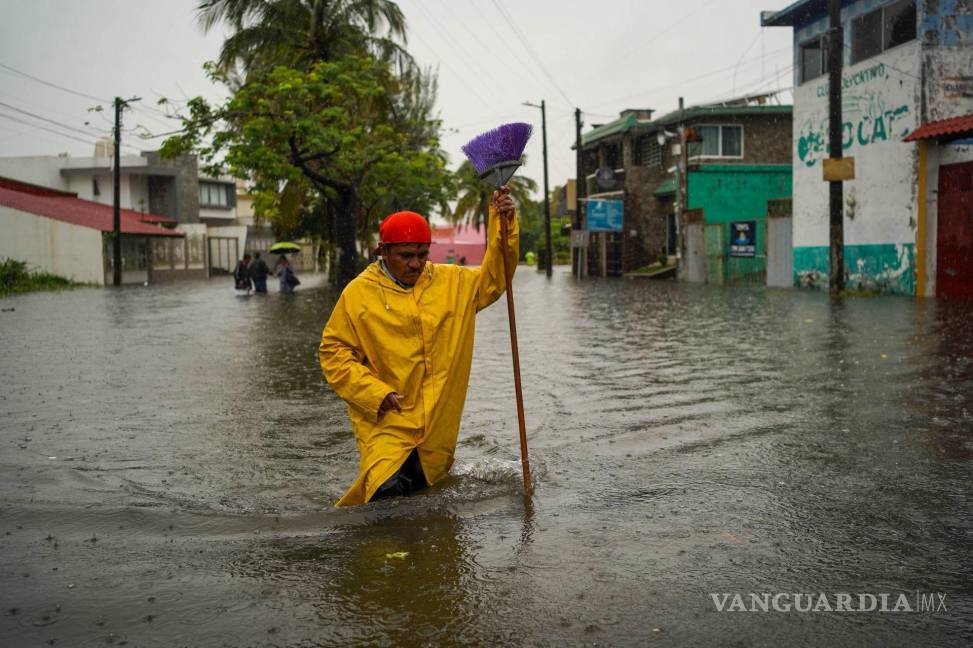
(880, 105)
(43, 170)
(225, 215)
(67, 250)
(238, 232)
(131, 188)
(46, 172)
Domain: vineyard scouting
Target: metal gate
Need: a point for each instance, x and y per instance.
(695, 252)
(224, 252)
(715, 253)
(954, 237)
(780, 252)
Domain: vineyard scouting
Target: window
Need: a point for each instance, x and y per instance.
(731, 141)
(866, 36)
(879, 30)
(613, 156)
(899, 23)
(212, 194)
(814, 59)
(95, 189)
(647, 151)
(718, 141)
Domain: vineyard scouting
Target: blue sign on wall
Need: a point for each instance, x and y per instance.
(743, 238)
(605, 215)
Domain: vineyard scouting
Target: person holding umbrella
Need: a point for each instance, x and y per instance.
(283, 269)
(398, 349)
(288, 280)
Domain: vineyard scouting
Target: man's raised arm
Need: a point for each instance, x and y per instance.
(491, 282)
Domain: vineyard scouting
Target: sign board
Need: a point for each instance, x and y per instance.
(743, 238)
(605, 215)
(579, 238)
(838, 170)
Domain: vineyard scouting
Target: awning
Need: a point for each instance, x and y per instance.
(953, 128)
(666, 187)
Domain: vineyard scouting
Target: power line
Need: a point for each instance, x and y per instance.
(512, 61)
(760, 31)
(664, 30)
(530, 50)
(457, 47)
(44, 128)
(52, 85)
(45, 119)
(462, 78)
(682, 82)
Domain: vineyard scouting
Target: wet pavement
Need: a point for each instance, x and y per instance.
(169, 457)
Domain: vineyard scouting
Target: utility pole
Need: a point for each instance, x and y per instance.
(116, 202)
(836, 195)
(547, 207)
(682, 184)
(580, 190)
(116, 198)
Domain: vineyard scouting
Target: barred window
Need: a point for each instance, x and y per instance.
(647, 151)
(882, 29)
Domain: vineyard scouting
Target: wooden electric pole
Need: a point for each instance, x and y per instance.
(580, 190)
(547, 206)
(117, 197)
(836, 48)
(116, 201)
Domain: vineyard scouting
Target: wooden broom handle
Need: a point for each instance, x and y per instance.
(507, 273)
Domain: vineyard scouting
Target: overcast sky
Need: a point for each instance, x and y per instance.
(492, 55)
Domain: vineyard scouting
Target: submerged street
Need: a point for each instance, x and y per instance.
(170, 457)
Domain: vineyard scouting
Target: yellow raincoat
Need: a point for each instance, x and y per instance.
(418, 342)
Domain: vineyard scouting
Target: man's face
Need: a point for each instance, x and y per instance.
(406, 260)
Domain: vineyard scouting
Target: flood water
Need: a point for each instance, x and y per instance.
(170, 456)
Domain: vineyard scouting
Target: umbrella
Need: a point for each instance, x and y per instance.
(285, 248)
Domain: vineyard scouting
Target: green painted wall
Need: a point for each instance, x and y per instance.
(888, 268)
(736, 192)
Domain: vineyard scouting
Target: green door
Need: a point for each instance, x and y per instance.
(715, 253)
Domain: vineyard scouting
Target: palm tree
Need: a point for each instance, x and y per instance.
(473, 203)
(298, 33)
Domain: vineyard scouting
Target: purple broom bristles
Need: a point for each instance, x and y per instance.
(505, 143)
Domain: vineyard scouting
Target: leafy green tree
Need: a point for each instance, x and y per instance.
(341, 127)
(473, 200)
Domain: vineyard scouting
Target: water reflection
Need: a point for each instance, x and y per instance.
(684, 440)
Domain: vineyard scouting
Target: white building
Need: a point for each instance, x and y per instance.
(907, 66)
(203, 208)
(59, 233)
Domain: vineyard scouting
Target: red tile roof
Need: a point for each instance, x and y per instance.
(956, 126)
(67, 207)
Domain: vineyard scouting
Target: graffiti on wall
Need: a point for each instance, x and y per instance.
(868, 116)
(868, 120)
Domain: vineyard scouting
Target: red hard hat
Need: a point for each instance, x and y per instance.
(405, 227)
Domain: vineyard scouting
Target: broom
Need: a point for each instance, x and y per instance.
(496, 155)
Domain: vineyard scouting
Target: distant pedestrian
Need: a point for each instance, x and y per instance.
(259, 272)
(241, 274)
(288, 280)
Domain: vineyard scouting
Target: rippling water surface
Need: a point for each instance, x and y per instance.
(169, 457)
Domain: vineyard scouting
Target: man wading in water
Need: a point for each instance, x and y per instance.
(398, 348)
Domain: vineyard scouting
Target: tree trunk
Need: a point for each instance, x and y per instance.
(345, 237)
